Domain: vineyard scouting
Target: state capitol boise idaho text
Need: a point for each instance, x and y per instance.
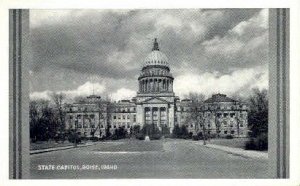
(77, 167)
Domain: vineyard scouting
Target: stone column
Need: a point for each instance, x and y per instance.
(144, 115)
(167, 85)
(158, 116)
(140, 86)
(153, 85)
(143, 86)
(167, 116)
(151, 115)
(159, 85)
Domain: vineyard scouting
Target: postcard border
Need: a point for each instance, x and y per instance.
(19, 162)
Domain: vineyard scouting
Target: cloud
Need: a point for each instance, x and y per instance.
(240, 81)
(123, 93)
(45, 95)
(86, 89)
(70, 46)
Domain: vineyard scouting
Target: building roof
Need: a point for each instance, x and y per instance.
(219, 98)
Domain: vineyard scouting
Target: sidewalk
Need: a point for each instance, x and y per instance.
(58, 148)
(240, 152)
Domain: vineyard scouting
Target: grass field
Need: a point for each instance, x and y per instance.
(236, 142)
(48, 144)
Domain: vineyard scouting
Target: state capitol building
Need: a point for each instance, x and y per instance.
(156, 104)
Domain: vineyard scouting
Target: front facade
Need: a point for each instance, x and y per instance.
(155, 100)
(156, 104)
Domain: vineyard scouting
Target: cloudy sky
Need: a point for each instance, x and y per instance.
(210, 51)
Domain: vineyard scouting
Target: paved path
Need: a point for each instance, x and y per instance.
(140, 159)
(240, 152)
(58, 148)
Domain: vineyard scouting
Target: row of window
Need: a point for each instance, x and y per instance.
(124, 117)
(208, 125)
(121, 124)
(79, 116)
(122, 109)
(188, 109)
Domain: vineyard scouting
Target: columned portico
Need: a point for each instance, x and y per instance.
(156, 115)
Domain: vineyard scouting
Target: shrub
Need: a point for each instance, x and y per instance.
(250, 145)
(181, 132)
(165, 130)
(200, 136)
(74, 137)
(140, 136)
(168, 136)
(195, 137)
(94, 138)
(136, 129)
(155, 136)
(213, 135)
(229, 136)
(115, 137)
(258, 143)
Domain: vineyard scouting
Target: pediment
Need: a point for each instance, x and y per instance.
(155, 100)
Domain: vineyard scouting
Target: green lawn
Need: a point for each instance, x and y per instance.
(236, 142)
(48, 144)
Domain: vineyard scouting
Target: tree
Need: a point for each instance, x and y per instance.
(136, 129)
(58, 99)
(176, 131)
(43, 124)
(258, 112)
(196, 116)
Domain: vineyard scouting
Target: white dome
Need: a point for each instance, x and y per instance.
(156, 58)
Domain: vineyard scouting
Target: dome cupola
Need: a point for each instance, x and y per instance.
(155, 77)
(156, 57)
